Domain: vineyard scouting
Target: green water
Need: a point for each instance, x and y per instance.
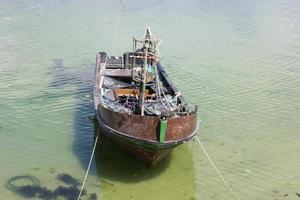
(238, 60)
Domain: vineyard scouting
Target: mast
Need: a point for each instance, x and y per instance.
(149, 54)
(144, 83)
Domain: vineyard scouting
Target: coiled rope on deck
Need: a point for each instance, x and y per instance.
(216, 169)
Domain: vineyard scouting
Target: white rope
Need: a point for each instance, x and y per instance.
(218, 172)
(89, 166)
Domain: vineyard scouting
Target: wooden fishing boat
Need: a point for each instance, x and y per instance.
(136, 104)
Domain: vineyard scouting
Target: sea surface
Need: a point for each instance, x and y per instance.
(238, 60)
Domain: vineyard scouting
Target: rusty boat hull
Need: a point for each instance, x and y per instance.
(139, 135)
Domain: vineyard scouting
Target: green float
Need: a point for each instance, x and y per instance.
(163, 128)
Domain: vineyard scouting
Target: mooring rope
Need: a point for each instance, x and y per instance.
(89, 166)
(96, 139)
(216, 169)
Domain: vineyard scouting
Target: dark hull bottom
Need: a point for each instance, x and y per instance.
(151, 154)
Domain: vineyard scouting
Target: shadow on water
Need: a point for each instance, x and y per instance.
(114, 164)
(29, 186)
(65, 78)
(123, 177)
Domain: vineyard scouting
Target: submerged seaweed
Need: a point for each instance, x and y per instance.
(45, 194)
(93, 196)
(69, 193)
(35, 190)
(28, 191)
(67, 179)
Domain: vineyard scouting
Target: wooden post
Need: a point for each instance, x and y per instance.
(144, 82)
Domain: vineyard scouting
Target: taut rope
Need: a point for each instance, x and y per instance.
(216, 169)
(89, 166)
